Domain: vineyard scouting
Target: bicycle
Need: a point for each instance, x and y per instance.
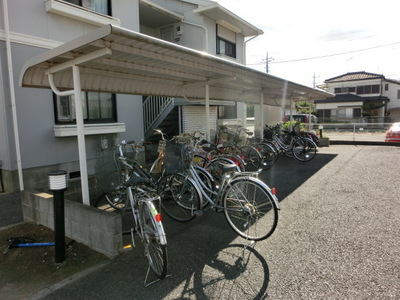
(143, 199)
(292, 144)
(231, 142)
(249, 205)
(268, 153)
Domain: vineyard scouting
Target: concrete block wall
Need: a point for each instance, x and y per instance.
(98, 229)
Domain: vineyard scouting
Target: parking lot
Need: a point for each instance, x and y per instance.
(337, 238)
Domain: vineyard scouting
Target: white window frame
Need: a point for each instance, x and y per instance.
(79, 13)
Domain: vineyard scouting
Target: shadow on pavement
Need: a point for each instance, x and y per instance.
(287, 174)
(206, 259)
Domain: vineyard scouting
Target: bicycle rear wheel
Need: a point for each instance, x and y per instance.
(250, 208)
(155, 246)
(304, 149)
(251, 157)
(268, 154)
(180, 197)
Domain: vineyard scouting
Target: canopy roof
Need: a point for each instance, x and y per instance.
(117, 60)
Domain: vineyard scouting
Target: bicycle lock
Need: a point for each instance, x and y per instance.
(57, 185)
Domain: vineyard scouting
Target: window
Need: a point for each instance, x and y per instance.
(226, 48)
(97, 108)
(227, 112)
(398, 94)
(226, 41)
(357, 112)
(386, 87)
(368, 89)
(101, 6)
(345, 90)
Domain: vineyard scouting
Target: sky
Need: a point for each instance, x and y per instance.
(309, 41)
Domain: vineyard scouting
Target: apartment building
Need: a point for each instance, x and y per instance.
(38, 132)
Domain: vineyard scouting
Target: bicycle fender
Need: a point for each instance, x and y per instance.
(156, 215)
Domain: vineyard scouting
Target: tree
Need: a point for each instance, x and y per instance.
(305, 107)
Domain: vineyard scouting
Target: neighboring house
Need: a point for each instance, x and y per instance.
(38, 134)
(360, 97)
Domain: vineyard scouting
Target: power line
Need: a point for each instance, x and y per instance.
(328, 55)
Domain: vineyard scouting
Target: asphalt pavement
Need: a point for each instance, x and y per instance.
(337, 238)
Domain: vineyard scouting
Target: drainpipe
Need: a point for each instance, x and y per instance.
(245, 49)
(12, 94)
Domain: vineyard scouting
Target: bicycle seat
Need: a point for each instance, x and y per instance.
(134, 179)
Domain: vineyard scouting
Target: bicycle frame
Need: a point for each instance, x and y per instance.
(227, 179)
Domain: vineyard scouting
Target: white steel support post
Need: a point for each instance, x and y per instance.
(77, 92)
(291, 114)
(261, 115)
(207, 102)
(81, 135)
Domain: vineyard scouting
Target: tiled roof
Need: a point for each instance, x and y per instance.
(354, 76)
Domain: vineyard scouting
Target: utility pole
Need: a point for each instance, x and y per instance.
(267, 61)
(314, 82)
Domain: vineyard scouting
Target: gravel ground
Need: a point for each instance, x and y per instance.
(339, 233)
(338, 237)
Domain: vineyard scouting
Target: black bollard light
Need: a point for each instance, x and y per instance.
(58, 184)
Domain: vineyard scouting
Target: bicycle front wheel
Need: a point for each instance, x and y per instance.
(180, 197)
(304, 149)
(250, 208)
(155, 246)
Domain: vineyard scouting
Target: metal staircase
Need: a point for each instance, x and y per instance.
(155, 109)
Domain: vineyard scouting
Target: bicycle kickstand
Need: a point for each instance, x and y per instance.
(146, 284)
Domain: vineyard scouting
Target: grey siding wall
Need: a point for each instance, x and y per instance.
(40, 149)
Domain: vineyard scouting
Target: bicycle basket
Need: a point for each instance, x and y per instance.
(177, 158)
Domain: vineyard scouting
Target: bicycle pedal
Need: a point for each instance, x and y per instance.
(198, 213)
(128, 247)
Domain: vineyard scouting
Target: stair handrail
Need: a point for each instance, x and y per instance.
(153, 107)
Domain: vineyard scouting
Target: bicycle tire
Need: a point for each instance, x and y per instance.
(180, 197)
(215, 170)
(251, 157)
(276, 148)
(155, 247)
(116, 199)
(268, 154)
(304, 149)
(250, 208)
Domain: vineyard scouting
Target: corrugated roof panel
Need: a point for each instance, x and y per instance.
(143, 65)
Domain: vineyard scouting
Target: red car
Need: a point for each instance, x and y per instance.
(393, 133)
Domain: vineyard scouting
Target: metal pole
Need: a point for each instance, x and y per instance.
(207, 102)
(261, 116)
(58, 184)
